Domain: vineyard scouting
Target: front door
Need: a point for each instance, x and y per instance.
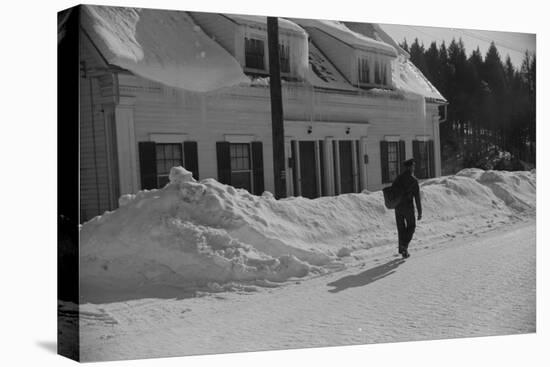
(346, 167)
(308, 175)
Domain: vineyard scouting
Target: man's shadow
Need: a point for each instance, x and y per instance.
(366, 277)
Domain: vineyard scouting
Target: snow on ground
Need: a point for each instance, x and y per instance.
(472, 285)
(192, 268)
(204, 235)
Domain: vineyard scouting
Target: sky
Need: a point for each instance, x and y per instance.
(508, 43)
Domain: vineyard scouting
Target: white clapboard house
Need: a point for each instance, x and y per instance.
(166, 88)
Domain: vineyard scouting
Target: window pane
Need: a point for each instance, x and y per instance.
(254, 53)
(177, 151)
(393, 160)
(377, 72)
(240, 156)
(241, 180)
(160, 166)
(284, 56)
(162, 181)
(165, 166)
(169, 164)
(364, 70)
(160, 151)
(168, 151)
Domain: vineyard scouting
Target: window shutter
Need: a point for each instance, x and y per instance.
(223, 157)
(416, 150)
(431, 158)
(359, 163)
(384, 161)
(402, 155)
(416, 156)
(258, 167)
(148, 164)
(191, 158)
(322, 167)
(295, 182)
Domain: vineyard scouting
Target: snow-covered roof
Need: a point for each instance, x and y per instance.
(168, 47)
(407, 77)
(339, 31)
(261, 21)
(374, 31)
(323, 74)
(161, 45)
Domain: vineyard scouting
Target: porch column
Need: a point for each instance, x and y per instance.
(288, 170)
(126, 146)
(329, 166)
(318, 169)
(336, 176)
(362, 165)
(437, 145)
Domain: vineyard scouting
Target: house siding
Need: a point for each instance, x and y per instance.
(207, 118)
(96, 184)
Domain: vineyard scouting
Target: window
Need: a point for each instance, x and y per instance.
(284, 57)
(240, 164)
(363, 70)
(421, 169)
(384, 74)
(168, 156)
(377, 73)
(393, 160)
(423, 153)
(254, 53)
(241, 169)
(373, 70)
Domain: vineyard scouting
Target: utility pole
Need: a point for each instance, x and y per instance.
(277, 123)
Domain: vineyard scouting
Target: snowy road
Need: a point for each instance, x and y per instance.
(469, 286)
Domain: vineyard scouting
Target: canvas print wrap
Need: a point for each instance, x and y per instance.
(247, 183)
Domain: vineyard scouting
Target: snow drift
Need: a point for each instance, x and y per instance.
(197, 234)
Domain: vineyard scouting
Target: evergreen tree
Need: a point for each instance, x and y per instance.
(417, 57)
(404, 45)
(491, 103)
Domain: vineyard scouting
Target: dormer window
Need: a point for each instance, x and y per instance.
(377, 73)
(284, 58)
(372, 70)
(364, 71)
(255, 56)
(254, 50)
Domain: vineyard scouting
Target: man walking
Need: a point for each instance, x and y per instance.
(407, 186)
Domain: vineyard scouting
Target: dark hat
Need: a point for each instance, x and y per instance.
(409, 162)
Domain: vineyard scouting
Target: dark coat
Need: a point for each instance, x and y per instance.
(407, 185)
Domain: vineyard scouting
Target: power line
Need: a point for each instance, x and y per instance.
(489, 40)
(472, 35)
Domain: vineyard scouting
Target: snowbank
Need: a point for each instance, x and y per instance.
(161, 45)
(196, 234)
